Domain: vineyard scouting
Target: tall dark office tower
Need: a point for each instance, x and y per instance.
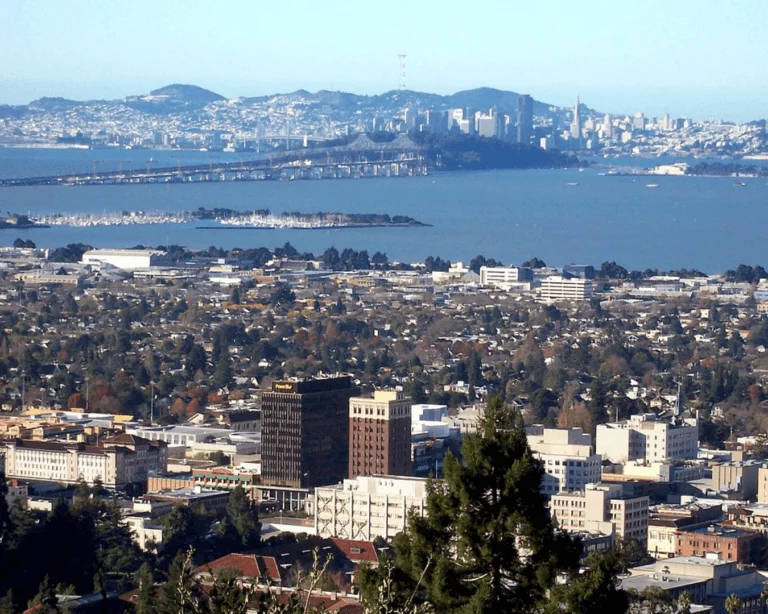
(305, 432)
(524, 119)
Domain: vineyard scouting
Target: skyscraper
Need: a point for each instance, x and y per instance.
(380, 434)
(524, 119)
(576, 123)
(304, 437)
(608, 127)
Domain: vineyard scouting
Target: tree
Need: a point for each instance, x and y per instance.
(465, 553)
(684, 603)
(147, 595)
(245, 517)
(222, 377)
(181, 593)
(594, 590)
(733, 604)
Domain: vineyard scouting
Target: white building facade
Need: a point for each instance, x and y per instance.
(647, 439)
(556, 288)
(567, 457)
(368, 507)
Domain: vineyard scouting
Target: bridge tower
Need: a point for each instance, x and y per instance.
(402, 57)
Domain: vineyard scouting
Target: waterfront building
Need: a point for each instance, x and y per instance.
(644, 437)
(125, 259)
(567, 458)
(556, 288)
(305, 437)
(380, 434)
(369, 507)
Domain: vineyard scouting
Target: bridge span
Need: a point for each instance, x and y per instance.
(360, 158)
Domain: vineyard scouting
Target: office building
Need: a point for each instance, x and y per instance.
(729, 543)
(582, 271)
(369, 507)
(558, 288)
(576, 123)
(602, 508)
(380, 434)
(501, 276)
(305, 437)
(524, 119)
(707, 580)
(608, 127)
(115, 464)
(644, 437)
(638, 123)
(125, 259)
(567, 458)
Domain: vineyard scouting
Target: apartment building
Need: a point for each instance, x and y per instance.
(602, 508)
(567, 457)
(368, 506)
(644, 437)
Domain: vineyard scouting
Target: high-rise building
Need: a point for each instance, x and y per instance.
(524, 119)
(576, 123)
(608, 127)
(305, 434)
(380, 434)
(638, 123)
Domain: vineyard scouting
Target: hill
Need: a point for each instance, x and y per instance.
(192, 94)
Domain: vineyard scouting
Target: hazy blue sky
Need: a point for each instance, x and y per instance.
(699, 58)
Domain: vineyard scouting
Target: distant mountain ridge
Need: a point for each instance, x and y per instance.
(171, 97)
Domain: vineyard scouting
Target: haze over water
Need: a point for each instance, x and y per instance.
(691, 222)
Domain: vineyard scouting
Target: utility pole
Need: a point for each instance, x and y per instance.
(23, 391)
(152, 404)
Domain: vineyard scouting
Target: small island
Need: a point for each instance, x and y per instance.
(225, 219)
(19, 222)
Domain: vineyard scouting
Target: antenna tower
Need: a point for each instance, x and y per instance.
(402, 57)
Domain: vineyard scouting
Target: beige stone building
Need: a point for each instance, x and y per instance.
(567, 457)
(602, 508)
(644, 437)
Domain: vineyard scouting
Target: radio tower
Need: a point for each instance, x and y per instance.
(402, 57)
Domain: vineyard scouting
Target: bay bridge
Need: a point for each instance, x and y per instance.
(362, 157)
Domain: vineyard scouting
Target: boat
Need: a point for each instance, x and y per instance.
(651, 185)
(572, 183)
(739, 184)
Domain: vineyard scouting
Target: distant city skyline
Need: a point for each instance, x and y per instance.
(688, 58)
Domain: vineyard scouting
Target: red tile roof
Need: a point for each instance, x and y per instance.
(363, 550)
(247, 565)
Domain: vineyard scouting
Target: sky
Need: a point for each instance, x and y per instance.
(692, 58)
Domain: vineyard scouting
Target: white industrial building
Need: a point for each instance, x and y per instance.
(643, 437)
(502, 276)
(124, 259)
(368, 507)
(556, 288)
(567, 457)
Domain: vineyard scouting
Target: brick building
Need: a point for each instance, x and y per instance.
(380, 434)
(729, 543)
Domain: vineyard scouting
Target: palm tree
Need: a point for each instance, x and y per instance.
(733, 604)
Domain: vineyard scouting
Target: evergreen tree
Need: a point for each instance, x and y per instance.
(222, 377)
(147, 595)
(594, 590)
(181, 593)
(486, 543)
(245, 518)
